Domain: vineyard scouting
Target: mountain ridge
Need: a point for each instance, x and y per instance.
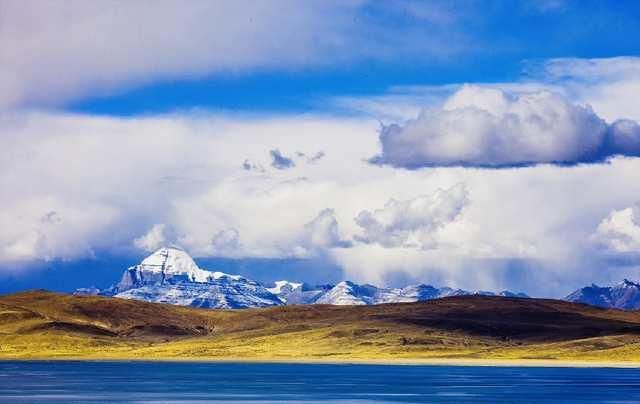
(170, 275)
(624, 295)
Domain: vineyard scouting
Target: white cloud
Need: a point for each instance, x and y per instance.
(412, 223)
(155, 238)
(58, 51)
(47, 226)
(110, 188)
(73, 185)
(620, 231)
(591, 70)
(54, 52)
(609, 85)
(226, 243)
(488, 127)
(625, 136)
(323, 232)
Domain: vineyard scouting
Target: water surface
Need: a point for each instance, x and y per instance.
(161, 382)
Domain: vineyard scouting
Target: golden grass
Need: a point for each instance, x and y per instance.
(311, 345)
(51, 326)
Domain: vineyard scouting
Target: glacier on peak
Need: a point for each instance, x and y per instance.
(170, 275)
(174, 261)
(169, 263)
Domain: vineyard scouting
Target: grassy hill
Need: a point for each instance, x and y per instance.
(40, 324)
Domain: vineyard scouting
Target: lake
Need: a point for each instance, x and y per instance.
(163, 382)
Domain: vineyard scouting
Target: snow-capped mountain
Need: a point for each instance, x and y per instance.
(349, 293)
(165, 264)
(625, 295)
(170, 275)
(283, 287)
(297, 293)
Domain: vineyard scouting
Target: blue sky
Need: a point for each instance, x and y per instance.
(498, 42)
(127, 126)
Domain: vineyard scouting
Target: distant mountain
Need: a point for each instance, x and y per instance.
(170, 275)
(506, 293)
(349, 293)
(297, 293)
(625, 295)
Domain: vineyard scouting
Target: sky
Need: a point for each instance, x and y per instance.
(484, 145)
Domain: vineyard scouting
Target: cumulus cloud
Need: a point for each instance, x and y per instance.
(46, 227)
(610, 85)
(323, 232)
(111, 180)
(489, 127)
(226, 242)
(624, 137)
(158, 236)
(412, 223)
(620, 231)
(280, 161)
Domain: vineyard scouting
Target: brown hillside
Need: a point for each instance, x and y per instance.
(45, 324)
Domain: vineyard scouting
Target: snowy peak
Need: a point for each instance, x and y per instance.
(170, 275)
(169, 263)
(348, 293)
(174, 261)
(422, 292)
(624, 295)
(626, 283)
(284, 287)
(296, 292)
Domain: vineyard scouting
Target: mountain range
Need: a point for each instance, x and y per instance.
(624, 295)
(170, 275)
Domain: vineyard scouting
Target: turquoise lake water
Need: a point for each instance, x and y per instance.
(161, 382)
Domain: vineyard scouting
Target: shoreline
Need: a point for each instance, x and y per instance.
(547, 363)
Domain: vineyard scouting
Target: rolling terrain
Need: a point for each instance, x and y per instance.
(40, 324)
